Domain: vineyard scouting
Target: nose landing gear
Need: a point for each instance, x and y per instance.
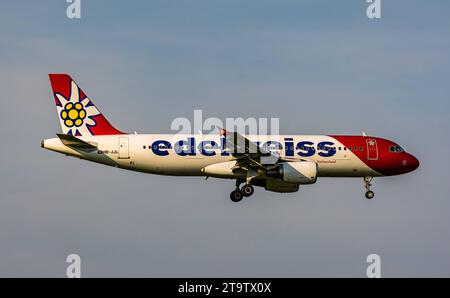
(367, 184)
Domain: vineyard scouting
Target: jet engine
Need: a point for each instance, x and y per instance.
(297, 172)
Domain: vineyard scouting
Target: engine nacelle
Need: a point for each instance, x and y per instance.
(297, 172)
(277, 185)
(224, 170)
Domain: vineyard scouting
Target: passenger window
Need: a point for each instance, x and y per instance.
(360, 148)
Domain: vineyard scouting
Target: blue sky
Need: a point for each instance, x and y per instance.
(322, 67)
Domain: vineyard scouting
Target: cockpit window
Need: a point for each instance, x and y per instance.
(395, 149)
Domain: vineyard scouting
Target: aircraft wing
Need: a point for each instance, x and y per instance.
(76, 143)
(247, 153)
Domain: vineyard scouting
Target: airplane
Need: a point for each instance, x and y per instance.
(278, 163)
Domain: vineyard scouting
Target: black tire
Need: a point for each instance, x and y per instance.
(236, 196)
(247, 190)
(370, 194)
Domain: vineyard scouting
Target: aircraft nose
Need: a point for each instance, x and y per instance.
(412, 163)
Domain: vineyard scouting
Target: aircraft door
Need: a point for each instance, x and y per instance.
(124, 151)
(372, 149)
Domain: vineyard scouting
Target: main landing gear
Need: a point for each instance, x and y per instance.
(239, 193)
(247, 190)
(369, 194)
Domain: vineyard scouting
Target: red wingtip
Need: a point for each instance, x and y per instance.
(222, 132)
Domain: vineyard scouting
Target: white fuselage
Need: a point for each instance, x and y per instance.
(150, 153)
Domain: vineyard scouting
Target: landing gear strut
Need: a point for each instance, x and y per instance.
(367, 184)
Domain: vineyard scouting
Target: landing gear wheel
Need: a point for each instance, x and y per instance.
(247, 190)
(370, 194)
(367, 184)
(236, 195)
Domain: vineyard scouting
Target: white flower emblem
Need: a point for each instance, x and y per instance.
(76, 114)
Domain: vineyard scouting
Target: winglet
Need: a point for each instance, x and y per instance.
(222, 131)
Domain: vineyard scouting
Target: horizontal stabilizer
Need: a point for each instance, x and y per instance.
(75, 142)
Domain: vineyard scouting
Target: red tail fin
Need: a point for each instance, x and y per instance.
(76, 112)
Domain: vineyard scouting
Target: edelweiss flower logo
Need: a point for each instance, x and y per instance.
(76, 114)
(73, 114)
